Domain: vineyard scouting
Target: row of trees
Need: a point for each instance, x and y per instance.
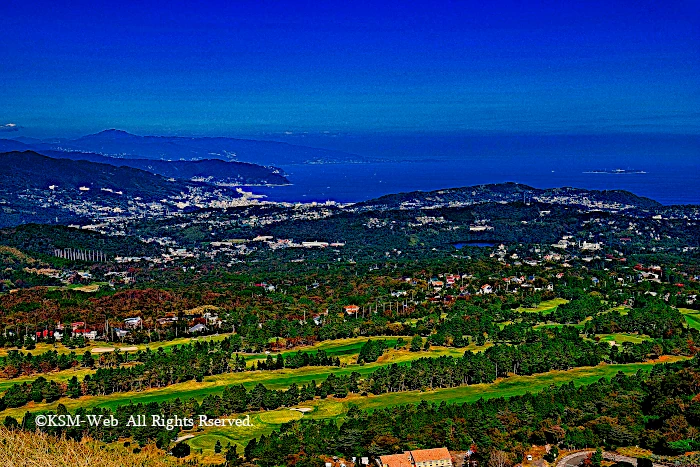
(656, 319)
(371, 351)
(156, 369)
(623, 411)
(556, 350)
(655, 410)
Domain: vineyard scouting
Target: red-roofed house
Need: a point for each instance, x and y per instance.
(437, 457)
(395, 460)
(430, 457)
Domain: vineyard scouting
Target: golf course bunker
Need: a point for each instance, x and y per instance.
(112, 349)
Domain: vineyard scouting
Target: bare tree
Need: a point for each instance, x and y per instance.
(499, 459)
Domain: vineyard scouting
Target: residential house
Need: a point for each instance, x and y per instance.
(212, 319)
(437, 457)
(44, 334)
(88, 334)
(197, 328)
(591, 246)
(431, 457)
(133, 322)
(395, 460)
(167, 321)
(352, 309)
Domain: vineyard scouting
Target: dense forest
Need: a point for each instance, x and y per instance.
(655, 410)
(545, 351)
(555, 287)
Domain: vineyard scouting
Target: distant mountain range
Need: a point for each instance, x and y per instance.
(115, 174)
(44, 239)
(214, 171)
(508, 193)
(37, 188)
(30, 170)
(210, 170)
(119, 143)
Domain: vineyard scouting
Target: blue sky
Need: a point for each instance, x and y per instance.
(261, 66)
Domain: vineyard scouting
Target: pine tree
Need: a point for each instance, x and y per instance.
(73, 389)
(597, 458)
(416, 343)
(232, 457)
(88, 360)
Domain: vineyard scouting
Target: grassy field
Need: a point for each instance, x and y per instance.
(578, 326)
(265, 422)
(61, 349)
(346, 349)
(692, 317)
(331, 408)
(59, 376)
(277, 379)
(548, 306)
(338, 348)
(620, 337)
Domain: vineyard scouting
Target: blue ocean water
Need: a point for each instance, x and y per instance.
(401, 163)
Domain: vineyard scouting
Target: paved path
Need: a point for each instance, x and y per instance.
(575, 459)
(183, 438)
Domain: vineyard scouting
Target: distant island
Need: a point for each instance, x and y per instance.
(615, 171)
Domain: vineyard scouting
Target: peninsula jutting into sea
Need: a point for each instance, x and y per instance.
(350, 234)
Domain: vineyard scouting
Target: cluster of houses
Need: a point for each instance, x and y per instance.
(437, 457)
(650, 273)
(243, 247)
(66, 276)
(205, 322)
(512, 284)
(569, 241)
(76, 329)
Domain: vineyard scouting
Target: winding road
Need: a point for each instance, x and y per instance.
(575, 459)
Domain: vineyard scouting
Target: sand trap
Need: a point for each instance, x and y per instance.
(302, 409)
(112, 349)
(88, 288)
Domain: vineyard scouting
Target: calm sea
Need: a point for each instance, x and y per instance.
(408, 162)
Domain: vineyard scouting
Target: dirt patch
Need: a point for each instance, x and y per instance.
(88, 288)
(132, 348)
